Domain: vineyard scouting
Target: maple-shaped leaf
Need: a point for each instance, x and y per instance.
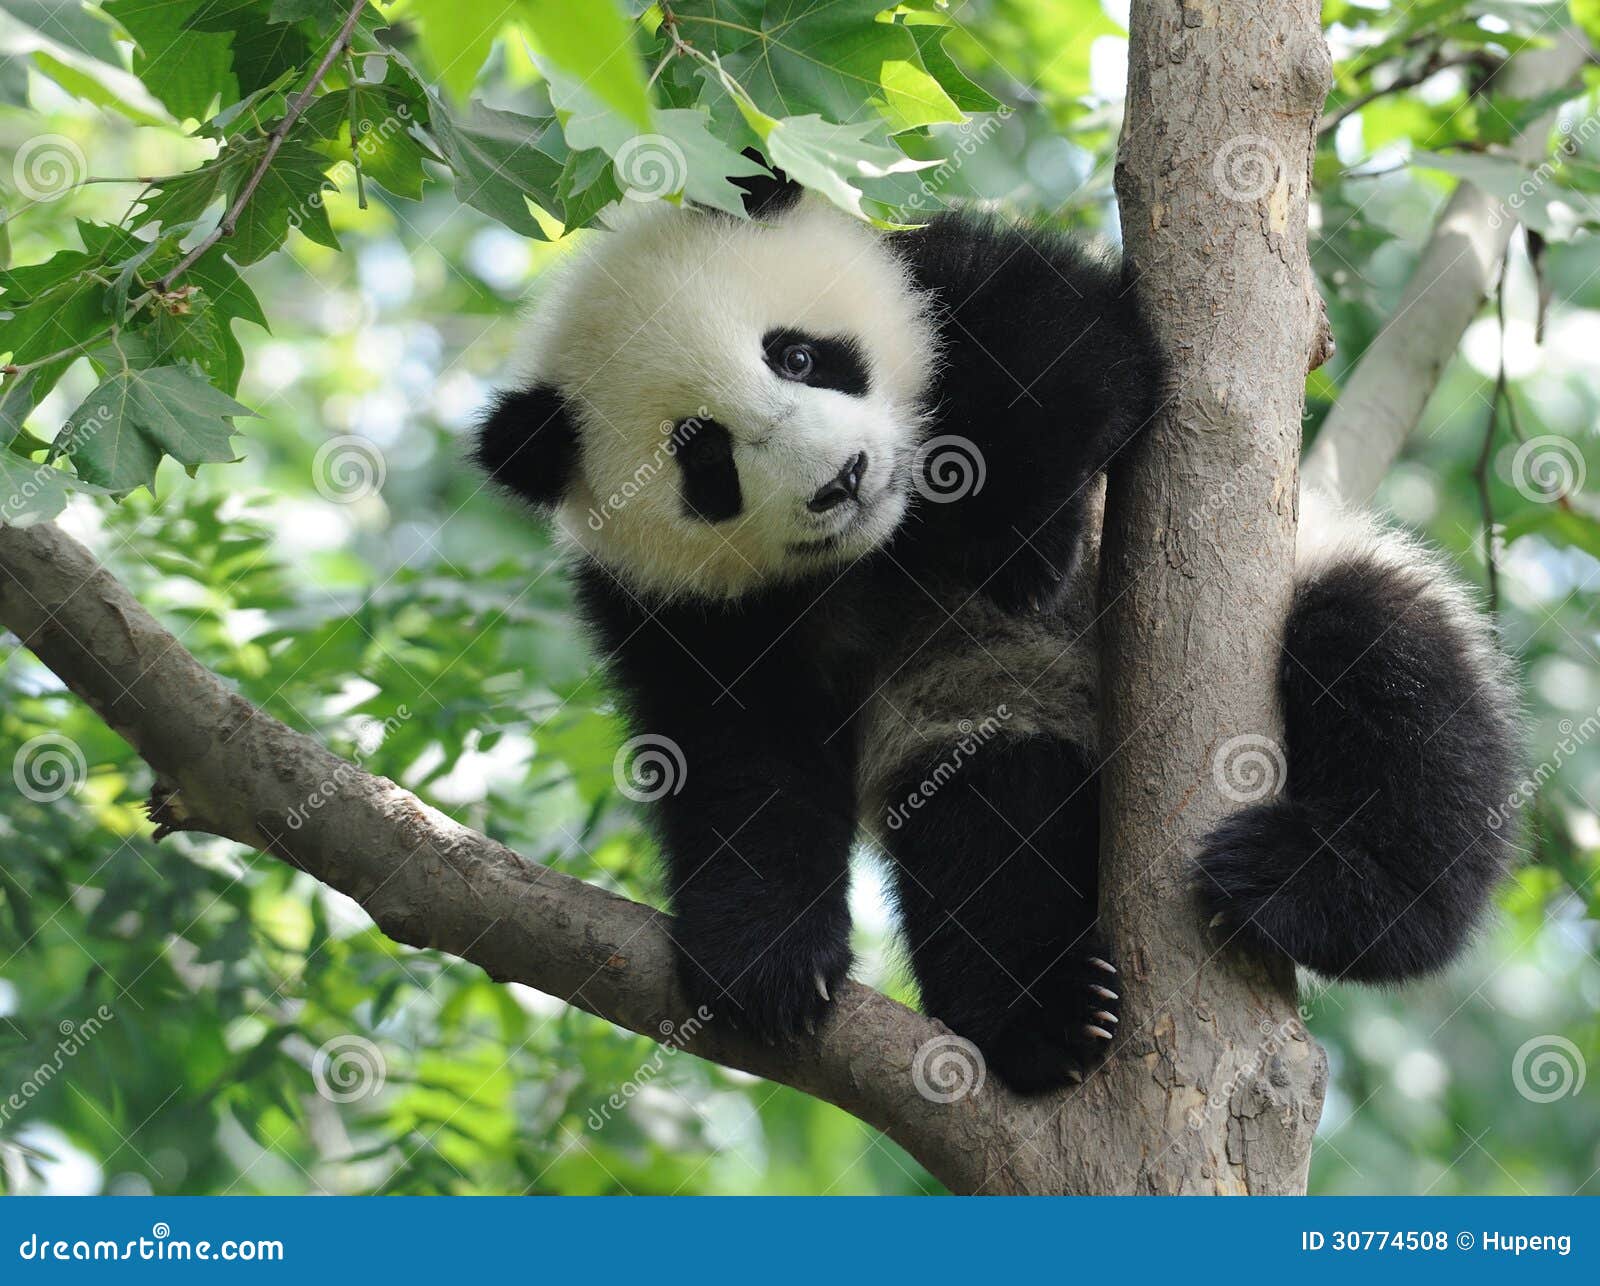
(30, 490)
(119, 433)
(502, 160)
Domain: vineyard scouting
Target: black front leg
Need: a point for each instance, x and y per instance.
(757, 847)
(995, 870)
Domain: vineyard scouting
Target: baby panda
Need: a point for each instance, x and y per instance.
(831, 496)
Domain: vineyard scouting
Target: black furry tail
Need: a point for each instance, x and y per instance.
(1380, 856)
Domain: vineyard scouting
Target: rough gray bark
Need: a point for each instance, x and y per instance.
(1386, 393)
(1217, 1087)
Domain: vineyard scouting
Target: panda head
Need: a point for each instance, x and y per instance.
(712, 405)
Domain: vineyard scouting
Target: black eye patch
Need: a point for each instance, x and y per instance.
(703, 450)
(835, 363)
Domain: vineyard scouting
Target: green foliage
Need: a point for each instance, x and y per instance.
(413, 195)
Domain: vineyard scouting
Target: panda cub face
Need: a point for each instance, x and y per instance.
(742, 400)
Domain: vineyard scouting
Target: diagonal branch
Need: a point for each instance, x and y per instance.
(224, 767)
(1385, 395)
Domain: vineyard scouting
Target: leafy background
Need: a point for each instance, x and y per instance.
(265, 440)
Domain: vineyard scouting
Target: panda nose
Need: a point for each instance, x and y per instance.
(841, 487)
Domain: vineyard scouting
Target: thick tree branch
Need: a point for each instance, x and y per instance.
(1385, 395)
(224, 767)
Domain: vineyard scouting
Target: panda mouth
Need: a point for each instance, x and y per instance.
(835, 541)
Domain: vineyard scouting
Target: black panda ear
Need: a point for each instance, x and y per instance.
(766, 197)
(528, 443)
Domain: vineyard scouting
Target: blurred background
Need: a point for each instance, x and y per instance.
(196, 1018)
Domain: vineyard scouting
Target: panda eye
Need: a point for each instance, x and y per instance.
(796, 361)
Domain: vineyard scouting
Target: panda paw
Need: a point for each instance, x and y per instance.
(1026, 583)
(774, 983)
(1062, 1039)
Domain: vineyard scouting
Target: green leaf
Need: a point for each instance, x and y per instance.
(829, 59)
(378, 118)
(594, 44)
(456, 37)
(502, 160)
(1532, 196)
(291, 194)
(261, 50)
(119, 433)
(586, 187)
(64, 317)
(832, 159)
(30, 490)
(679, 156)
(963, 92)
(93, 87)
(186, 68)
(1586, 16)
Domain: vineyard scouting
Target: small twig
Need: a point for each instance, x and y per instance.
(274, 141)
(1486, 451)
(1435, 63)
(350, 120)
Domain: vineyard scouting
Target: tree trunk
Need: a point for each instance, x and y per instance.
(1218, 1086)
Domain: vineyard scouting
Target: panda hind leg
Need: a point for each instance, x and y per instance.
(995, 879)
